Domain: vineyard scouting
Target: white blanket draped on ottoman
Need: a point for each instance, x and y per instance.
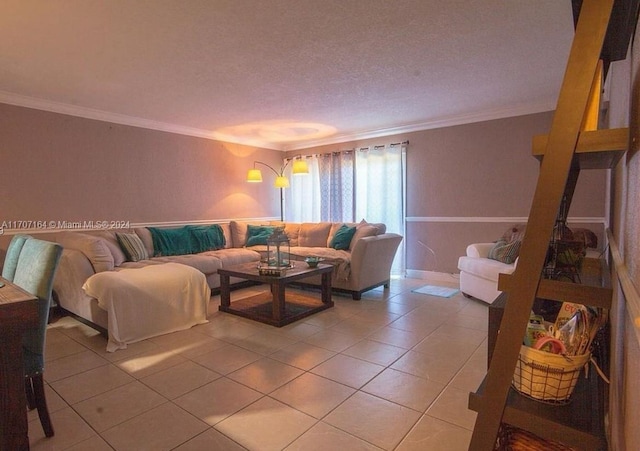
(150, 301)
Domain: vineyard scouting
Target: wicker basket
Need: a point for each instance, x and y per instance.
(511, 438)
(547, 377)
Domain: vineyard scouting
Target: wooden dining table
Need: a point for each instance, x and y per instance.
(18, 312)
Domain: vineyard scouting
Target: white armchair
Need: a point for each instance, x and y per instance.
(479, 273)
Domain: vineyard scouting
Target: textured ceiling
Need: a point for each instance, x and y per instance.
(284, 74)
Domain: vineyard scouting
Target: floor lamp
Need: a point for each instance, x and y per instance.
(299, 167)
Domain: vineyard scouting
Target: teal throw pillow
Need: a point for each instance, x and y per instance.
(342, 239)
(258, 234)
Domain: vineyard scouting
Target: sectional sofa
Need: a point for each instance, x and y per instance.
(364, 265)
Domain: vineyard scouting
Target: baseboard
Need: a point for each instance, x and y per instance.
(443, 277)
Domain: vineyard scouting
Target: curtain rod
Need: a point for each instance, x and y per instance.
(360, 149)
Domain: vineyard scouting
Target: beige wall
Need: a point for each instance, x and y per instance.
(59, 167)
(625, 225)
(473, 175)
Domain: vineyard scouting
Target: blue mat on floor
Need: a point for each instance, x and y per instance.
(433, 290)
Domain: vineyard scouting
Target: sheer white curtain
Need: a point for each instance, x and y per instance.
(380, 191)
(302, 198)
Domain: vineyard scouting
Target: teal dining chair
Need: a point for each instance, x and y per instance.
(11, 259)
(34, 271)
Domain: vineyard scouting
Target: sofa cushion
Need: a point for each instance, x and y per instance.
(111, 241)
(363, 230)
(132, 246)
(314, 234)
(258, 234)
(146, 238)
(239, 231)
(342, 238)
(93, 247)
(235, 256)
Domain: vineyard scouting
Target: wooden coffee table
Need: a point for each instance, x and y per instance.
(275, 308)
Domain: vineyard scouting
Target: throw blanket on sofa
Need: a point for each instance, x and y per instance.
(186, 240)
(150, 301)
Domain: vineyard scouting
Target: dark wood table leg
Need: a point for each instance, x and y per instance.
(13, 401)
(325, 285)
(277, 291)
(225, 292)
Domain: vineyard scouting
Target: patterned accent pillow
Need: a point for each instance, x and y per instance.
(505, 252)
(132, 246)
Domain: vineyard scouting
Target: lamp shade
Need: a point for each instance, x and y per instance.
(254, 176)
(281, 182)
(299, 167)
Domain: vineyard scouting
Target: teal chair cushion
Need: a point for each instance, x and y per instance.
(34, 272)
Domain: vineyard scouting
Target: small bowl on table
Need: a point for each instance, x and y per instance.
(312, 262)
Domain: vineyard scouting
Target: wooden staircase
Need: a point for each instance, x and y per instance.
(573, 144)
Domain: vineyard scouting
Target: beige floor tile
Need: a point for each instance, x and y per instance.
(95, 443)
(398, 308)
(471, 374)
(130, 351)
(68, 427)
(462, 334)
(313, 395)
(324, 319)
(227, 359)
(469, 322)
(161, 428)
(298, 330)
(59, 345)
(323, 437)
(228, 328)
(149, 362)
(91, 383)
(404, 389)
(210, 440)
(397, 337)
(437, 344)
(348, 370)
(416, 324)
(440, 368)
(217, 400)
(375, 352)
(476, 308)
(265, 342)
(266, 425)
(302, 355)
(265, 375)
(202, 347)
(180, 379)
(332, 340)
(435, 435)
(183, 341)
(451, 406)
(355, 326)
(72, 364)
(120, 404)
(374, 420)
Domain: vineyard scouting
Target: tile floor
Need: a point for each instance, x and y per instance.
(390, 372)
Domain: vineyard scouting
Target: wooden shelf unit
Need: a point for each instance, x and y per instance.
(572, 145)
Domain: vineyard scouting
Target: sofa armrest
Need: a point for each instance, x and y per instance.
(479, 250)
(371, 259)
(73, 270)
